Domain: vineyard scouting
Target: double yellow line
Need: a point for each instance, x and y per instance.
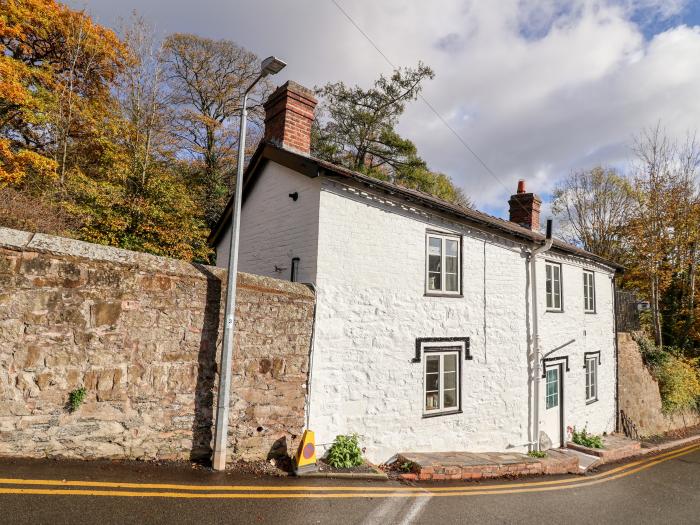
(164, 490)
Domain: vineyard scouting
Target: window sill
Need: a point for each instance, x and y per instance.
(452, 412)
(591, 401)
(590, 313)
(548, 310)
(441, 294)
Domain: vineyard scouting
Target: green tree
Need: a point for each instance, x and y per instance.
(356, 129)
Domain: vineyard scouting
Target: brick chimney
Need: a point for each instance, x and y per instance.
(525, 208)
(289, 113)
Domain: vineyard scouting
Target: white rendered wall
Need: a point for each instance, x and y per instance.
(591, 332)
(275, 228)
(371, 308)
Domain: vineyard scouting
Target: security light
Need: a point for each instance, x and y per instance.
(271, 66)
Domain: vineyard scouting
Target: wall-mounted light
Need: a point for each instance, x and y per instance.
(294, 196)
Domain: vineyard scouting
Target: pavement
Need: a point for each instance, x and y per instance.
(658, 488)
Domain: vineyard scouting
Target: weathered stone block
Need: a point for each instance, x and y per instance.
(106, 313)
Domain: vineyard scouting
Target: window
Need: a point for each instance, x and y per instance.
(441, 381)
(588, 291)
(442, 264)
(553, 274)
(591, 379)
(552, 392)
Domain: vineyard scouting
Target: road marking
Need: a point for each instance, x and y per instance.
(362, 492)
(320, 488)
(414, 511)
(385, 512)
(314, 488)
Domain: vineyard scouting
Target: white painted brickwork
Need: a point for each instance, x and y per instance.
(370, 277)
(274, 228)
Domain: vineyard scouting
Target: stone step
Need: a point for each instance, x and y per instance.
(440, 466)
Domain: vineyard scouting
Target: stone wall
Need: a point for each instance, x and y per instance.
(142, 335)
(639, 393)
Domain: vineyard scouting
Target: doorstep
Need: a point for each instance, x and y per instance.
(441, 466)
(585, 461)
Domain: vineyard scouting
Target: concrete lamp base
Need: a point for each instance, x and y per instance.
(219, 460)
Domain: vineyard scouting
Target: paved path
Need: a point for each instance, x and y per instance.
(661, 489)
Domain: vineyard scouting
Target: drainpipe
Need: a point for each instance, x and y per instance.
(617, 359)
(536, 336)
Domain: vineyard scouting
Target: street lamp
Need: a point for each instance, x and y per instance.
(269, 66)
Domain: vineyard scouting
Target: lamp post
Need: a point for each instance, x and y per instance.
(269, 66)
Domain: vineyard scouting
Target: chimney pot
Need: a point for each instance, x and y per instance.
(289, 114)
(525, 208)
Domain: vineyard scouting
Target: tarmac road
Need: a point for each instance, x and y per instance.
(661, 489)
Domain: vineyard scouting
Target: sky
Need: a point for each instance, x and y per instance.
(536, 88)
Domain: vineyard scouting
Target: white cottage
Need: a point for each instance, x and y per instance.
(437, 328)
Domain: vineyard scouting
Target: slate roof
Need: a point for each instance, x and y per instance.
(315, 167)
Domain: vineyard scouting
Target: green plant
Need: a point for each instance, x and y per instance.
(345, 452)
(406, 466)
(537, 454)
(76, 398)
(585, 439)
(678, 376)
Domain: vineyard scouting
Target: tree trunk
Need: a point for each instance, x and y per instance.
(656, 315)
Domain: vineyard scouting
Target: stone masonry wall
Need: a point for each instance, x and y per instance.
(639, 393)
(142, 335)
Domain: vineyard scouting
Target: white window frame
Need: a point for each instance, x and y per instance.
(549, 293)
(557, 394)
(591, 379)
(589, 291)
(441, 351)
(443, 281)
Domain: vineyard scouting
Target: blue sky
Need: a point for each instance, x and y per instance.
(537, 88)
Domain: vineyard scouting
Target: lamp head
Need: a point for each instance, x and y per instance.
(271, 66)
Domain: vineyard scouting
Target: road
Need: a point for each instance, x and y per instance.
(659, 489)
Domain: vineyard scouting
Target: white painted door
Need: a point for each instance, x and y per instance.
(551, 412)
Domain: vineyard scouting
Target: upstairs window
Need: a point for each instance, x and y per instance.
(443, 264)
(553, 283)
(588, 291)
(591, 379)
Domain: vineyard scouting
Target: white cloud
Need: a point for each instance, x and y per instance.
(537, 87)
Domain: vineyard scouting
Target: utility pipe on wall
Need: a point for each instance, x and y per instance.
(535, 417)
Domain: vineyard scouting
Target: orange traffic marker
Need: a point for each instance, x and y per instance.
(305, 460)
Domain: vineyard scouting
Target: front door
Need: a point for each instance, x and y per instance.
(551, 413)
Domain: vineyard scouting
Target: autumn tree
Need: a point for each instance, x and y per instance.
(206, 80)
(57, 70)
(356, 129)
(145, 204)
(594, 209)
(84, 134)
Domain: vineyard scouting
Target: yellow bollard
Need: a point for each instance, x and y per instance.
(305, 460)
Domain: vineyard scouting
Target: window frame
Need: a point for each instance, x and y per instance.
(557, 393)
(441, 351)
(547, 293)
(591, 378)
(443, 292)
(591, 277)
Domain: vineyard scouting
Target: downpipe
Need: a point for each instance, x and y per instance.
(535, 355)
